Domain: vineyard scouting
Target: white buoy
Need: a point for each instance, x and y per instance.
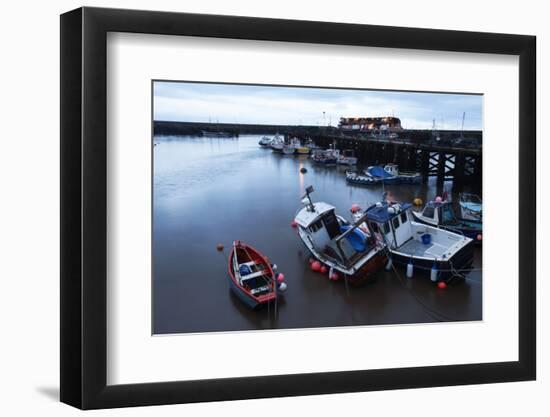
(274, 267)
(410, 269)
(434, 273)
(389, 264)
(282, 287)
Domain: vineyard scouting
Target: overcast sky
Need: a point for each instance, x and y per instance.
(232, 103)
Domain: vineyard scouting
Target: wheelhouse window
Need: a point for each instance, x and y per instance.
(404, 217)
(374, 227)
(315, 226)
(429, 212)
(395, 222)
(386, 228)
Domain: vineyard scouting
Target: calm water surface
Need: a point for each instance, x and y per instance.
(209, 191)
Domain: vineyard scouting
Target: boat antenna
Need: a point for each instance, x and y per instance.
(462, 129)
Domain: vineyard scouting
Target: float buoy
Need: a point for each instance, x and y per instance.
(274, 267)
(355, 208)
(410, 269)
(334, 276)
(417, 201)
(311, 260)
(324, 269)
(434, 273)
(219, 247)
(280, 277)
(438, 199)
(389, 264)
(316, 266)
(294, 224)
(282, 287)
(303, 170)
(479, 237)
(441, 285)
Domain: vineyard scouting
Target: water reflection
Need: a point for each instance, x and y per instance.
(212, 190)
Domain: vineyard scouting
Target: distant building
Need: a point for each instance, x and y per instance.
(390, 124)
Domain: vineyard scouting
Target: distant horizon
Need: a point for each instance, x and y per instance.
(303, 125)
(217, 103)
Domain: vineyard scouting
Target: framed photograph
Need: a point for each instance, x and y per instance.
(256, 208)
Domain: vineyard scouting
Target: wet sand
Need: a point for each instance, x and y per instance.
(209, 191)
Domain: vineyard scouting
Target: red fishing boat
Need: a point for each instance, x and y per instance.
(251, 276)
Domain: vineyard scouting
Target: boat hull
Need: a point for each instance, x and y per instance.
(365, 274)
(246, 299)
(461, 262)
(363, 181)
(252, 301)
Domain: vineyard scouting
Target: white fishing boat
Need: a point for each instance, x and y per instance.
(265, 141)
(404, 177)
(344, 248)
(277, 144)
(290, 148)
(442, 254)
(347, 157)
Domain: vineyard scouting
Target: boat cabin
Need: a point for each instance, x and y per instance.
(471, 206)
(438, 213)
(331, 235)
(392, 222)
(392, 169)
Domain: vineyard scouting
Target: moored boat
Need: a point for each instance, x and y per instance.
(442, 215)
(404, 177)
(358, 179)
(251, 276)
(290, 148)
(390, 174)
(471, 207)
(379, 173)
(441, 254)
(347, 157)
(345, 248)
(277, 144)
(327, 157)
(265, 141)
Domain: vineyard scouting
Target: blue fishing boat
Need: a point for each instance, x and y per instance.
(390, 174)
(404, 177)
(442, 215)
(379, 173)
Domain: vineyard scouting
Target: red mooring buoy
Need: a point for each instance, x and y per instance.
(316, 266)
(441, 285)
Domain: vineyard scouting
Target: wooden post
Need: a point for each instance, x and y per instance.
(441, 167)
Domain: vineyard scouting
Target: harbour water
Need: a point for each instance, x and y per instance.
(215, 190)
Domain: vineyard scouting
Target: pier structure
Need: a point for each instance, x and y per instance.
(445, 162)
(446, 155)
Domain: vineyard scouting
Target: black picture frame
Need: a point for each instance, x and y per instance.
(84, 207)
